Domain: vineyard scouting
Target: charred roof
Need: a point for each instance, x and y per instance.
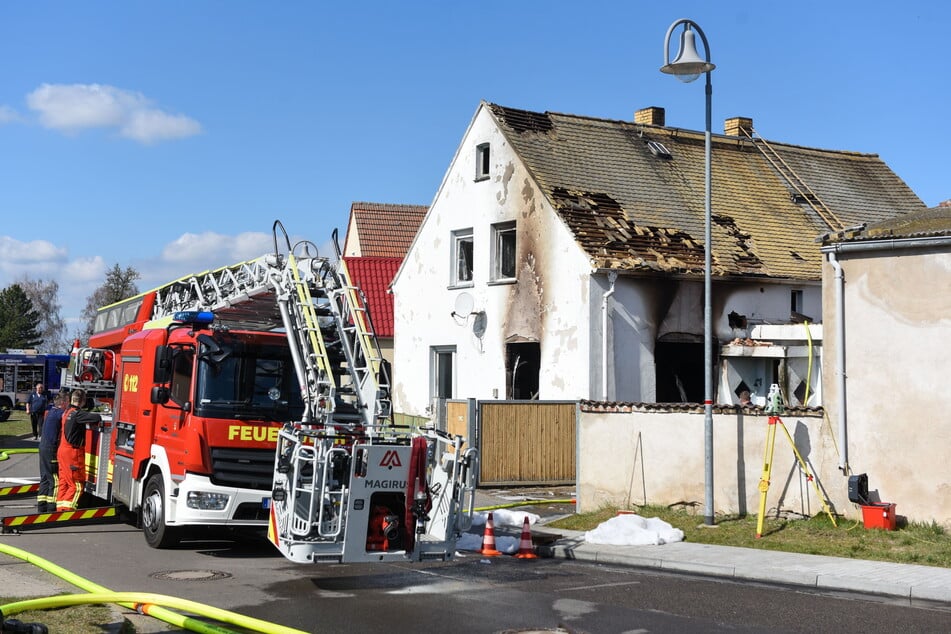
(633, 207)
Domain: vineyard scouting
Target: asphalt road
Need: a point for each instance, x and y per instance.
(470, 594)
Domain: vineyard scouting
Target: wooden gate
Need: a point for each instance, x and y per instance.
(527, 442)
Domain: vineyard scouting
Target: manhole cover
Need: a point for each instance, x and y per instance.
(190, 575)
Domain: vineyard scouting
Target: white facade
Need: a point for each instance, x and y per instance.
(552, 299)
(546, 302)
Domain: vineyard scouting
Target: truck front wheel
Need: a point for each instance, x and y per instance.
(157, 533)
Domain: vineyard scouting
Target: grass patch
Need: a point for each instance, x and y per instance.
(78, 619)
(75, 619)
(17, 425)
(916, 543)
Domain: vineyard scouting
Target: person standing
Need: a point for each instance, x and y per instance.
(36, 408)
(49, 443)
(72, 452)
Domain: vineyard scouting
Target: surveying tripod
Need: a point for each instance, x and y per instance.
(774, 407)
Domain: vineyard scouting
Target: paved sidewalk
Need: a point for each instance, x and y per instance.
(908, 581)
(825, 573)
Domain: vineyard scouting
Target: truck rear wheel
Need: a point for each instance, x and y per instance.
(157, 533)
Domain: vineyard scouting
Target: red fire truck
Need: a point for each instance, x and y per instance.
(203, 377)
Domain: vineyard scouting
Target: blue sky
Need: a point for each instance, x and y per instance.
(168, 136)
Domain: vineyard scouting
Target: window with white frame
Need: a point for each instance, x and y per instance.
(462, 257)
(503, 252)
(482, 161)
(442, 371)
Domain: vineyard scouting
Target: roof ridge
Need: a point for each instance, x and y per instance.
(680, 131)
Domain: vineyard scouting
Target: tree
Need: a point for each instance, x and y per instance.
(119, 285)
(44, 296)
(19, 321)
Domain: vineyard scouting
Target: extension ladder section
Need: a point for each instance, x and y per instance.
(798, 184)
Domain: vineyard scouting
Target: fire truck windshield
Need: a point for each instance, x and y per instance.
(252, 382)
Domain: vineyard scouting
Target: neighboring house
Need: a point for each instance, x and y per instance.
(562, 258)
(380, 230)
(378, 236)
(886, 296)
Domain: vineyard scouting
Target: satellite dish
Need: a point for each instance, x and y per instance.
(478, 324)
(464, 305)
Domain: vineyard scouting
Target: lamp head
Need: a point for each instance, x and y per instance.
(688, 65)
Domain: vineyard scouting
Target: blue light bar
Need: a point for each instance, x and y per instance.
(202, 317)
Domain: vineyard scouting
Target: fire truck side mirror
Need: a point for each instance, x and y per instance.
(159, 395)
(162, 372)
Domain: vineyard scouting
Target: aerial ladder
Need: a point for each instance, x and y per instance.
(349, 485)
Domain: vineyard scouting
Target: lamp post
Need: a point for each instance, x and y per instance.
(687, 66)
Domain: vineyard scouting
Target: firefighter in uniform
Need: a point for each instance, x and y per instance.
(49, 444)
(72, 451)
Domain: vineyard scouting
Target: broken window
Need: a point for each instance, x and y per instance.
(679, 368)
(462, 258)
(522, 364)
(503, 251)
(795, 301)
(482, 161)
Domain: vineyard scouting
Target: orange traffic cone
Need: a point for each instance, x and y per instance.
(526, 550)
(488, 539)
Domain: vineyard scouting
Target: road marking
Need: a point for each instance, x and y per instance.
(600, 585)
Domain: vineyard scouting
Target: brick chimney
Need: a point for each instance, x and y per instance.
(650, 116)
(734, 126)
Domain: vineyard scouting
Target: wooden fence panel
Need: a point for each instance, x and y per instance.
(527, 442)
(457, 418)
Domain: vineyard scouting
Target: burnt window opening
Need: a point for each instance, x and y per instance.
(522, 364)
(679, 371)
(795, 301)
(503, 251)
(462, 251)
(800, 393)
(742, 387)
(482, 161)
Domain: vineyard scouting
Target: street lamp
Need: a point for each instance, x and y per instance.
(687, 67)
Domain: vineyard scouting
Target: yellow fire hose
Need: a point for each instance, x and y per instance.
(155, 605)
(145, 603)
(6, 453)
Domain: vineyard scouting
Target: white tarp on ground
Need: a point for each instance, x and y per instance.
(501, 518)
(629, 529)
(626, 529)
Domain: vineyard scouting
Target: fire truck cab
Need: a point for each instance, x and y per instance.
(195, 421)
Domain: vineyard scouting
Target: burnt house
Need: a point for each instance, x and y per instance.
(563, 258)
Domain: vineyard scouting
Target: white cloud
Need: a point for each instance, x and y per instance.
(15, 253)
(75, 107)
(43, 260)
(85, 270)
(149, 126)
(79, 276)
(212, 250)
(8, 115)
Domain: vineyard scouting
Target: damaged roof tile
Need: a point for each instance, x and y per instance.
(630, 210)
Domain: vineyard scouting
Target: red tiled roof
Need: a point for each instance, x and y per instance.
(373, 276)
(386, 230)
